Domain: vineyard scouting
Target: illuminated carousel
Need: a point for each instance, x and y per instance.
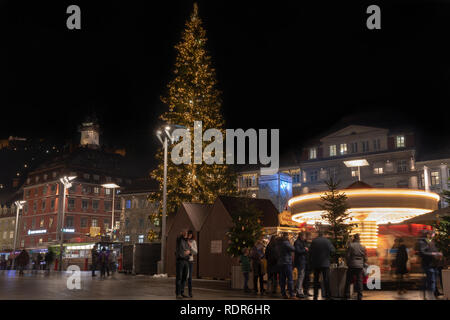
(369, 207)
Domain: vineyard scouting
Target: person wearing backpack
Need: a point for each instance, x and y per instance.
(272, 254)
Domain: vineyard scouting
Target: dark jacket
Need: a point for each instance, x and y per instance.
(356, 255)
(401, 259)
(286, 250)
(300, 253)
(271, 255)
(245, 263)
(320, 251)
(426, 250)
(182, 246)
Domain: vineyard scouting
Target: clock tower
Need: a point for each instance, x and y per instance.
(90, 133)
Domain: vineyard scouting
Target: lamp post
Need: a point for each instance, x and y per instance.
(164, 141)
(112, 186)
(66, 182)
(19, 205)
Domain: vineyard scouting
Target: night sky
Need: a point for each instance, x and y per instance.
(300, 66)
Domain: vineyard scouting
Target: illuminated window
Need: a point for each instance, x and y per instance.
(141, 238)
(4, 234)
(378, 170)
(354, 172)
(128, 204)
(435, 178)
(333, 151)
(50, 222)
(400, 141)
(11, 234)
(41, 223)
(127, 238)
(96, 190)
(94, 222)
(106, 223)
(313, 153)
(40, 240)
(107, 191)
(343, 148)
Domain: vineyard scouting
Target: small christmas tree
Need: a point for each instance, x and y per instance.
(336, 214)
(247, 228)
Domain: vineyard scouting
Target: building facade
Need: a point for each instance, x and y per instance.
(139, 219)
(390, 162)
(88, 204)
(7, 227)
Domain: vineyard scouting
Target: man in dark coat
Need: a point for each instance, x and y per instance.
(321, 251)
(22, 261)
(285, 267)
(429, 255)
(308, 268)
(356, 259)
(256, 255)
(301, 250)
(95, 260)
(182, 254)
(272, 260)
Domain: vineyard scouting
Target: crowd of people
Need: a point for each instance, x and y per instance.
(279, 259)
(103, 260)
(24, 259)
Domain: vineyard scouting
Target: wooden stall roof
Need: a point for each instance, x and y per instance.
(196, 212)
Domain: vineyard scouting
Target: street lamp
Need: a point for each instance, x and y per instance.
(66, 182)
(356, 163)
(112, 186)
(164, 140)
(19, 205)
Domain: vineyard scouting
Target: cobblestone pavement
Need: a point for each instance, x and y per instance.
(121, 286)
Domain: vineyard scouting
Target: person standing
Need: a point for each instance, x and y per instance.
(246, 267)
(193, 248)
(308, 268)
(429, 255)
(400, 263)
(22, 260)
(182, 253)
(104, 263)
(356, 259)
(285, 267)
(256, 255)
(321, 251)
(95, 260)
(271, 255)
(49, 257)
(301, 250)
(2, 262)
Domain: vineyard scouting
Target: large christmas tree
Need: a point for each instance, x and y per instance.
(193, 96)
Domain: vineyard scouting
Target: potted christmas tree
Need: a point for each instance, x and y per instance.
(335, 205)
(246, 230)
